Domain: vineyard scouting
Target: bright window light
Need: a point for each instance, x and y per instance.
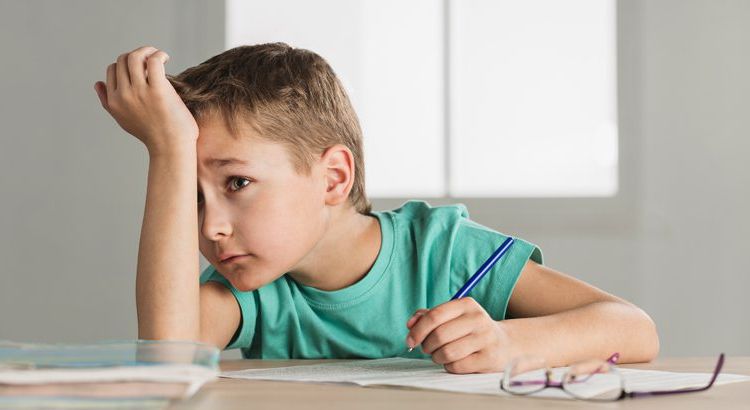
(533, 98)
(531, 87)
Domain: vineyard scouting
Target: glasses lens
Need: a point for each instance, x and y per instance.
(593, 380)
(525, 375)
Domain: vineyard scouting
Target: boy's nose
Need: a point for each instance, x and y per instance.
(215, 226)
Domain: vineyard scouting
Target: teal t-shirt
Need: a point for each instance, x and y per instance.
(426, 254)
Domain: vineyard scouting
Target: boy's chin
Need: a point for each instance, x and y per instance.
(246, 282)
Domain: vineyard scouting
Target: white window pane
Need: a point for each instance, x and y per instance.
(533, 108)
(402, 106)
(388, 55)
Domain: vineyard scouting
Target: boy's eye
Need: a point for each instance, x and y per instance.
(232, 186)
(235, 187)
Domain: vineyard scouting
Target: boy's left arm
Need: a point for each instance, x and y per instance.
(550, 314)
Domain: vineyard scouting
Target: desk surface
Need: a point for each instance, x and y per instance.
(245, 394)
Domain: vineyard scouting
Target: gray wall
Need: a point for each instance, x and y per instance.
(73, 183)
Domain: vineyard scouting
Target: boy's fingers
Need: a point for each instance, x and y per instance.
(155, 67)
(469, 364)
(431, 320)
(137, 66)
(415, 317)
(448, 333)
(101, 92)
(111, 79)
(456, 350)
(121, 68)
(413, 320)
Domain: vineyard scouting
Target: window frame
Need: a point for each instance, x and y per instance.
(614, 213)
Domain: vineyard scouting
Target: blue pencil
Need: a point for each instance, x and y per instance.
(486, 266)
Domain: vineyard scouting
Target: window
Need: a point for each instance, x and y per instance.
(481, 98)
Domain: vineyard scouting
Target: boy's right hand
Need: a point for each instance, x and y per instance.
(139, 97)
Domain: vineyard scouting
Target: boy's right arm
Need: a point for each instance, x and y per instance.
(220, 314)
(171, 304)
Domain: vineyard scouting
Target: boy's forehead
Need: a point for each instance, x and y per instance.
(214, 138)
(214, 129)
(217, 147)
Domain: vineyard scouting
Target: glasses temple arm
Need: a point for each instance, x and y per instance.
(719, 365)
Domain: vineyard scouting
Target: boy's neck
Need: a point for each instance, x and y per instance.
(344, 255)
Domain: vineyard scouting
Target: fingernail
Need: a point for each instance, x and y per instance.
(410, 343)
(411, 348)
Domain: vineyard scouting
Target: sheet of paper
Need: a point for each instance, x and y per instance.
(425, 374)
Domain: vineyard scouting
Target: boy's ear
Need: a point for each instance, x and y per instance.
(338, 165)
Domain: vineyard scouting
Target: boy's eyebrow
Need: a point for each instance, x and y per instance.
(220, 162)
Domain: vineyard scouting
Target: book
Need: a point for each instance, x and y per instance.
(106, 373)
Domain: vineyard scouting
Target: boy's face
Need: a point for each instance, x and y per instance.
(263, 209)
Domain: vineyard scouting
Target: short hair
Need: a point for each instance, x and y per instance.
(288, 95)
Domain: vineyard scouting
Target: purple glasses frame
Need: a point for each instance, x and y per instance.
(623, 394)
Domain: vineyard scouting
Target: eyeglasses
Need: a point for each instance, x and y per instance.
(595, 380)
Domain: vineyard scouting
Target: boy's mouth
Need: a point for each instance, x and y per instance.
(230, 259)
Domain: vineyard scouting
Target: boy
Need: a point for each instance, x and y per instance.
(300, 265)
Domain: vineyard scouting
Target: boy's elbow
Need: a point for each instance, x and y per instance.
(149, 330)
(649, 337)
(638, 334)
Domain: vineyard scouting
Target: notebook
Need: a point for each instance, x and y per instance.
(104, 374)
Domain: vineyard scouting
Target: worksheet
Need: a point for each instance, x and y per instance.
(425, 374)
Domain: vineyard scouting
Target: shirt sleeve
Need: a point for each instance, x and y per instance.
(473, 245)
(248, 303)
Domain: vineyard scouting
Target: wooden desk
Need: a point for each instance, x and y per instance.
(253, 394)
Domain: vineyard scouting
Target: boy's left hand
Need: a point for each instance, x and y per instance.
(461, 336)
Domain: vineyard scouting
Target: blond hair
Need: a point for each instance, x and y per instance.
(288, 95)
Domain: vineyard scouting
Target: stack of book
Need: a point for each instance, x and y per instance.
(120, 373)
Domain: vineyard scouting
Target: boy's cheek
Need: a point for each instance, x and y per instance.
(251, 278)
